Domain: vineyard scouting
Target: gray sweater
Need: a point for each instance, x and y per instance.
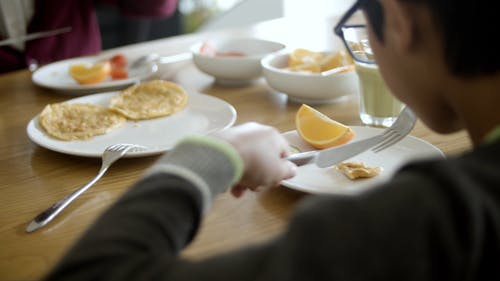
(435, 220)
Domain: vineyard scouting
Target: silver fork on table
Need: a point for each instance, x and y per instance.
(328, 157)
(109, 156)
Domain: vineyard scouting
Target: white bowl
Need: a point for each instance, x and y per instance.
(302, 87)
(234, 69)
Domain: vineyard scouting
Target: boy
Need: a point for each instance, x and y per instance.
(435, 220)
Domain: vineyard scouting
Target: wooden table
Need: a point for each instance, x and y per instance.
(32, 177)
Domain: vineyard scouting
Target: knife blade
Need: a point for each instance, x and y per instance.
(331, 156)
(33, 36)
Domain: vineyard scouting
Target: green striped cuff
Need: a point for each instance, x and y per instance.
(223, 147)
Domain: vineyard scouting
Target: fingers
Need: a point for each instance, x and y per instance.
(262, 149)
(285, 170)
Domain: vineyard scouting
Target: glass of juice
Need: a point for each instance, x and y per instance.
(377, 106)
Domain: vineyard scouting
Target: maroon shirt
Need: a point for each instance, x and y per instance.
(84, 37)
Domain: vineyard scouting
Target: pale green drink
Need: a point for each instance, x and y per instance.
(378, 107)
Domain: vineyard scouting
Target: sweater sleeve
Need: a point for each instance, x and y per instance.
(421, 226)
(431, 222)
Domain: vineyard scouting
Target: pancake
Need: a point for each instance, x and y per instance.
(149, 100)
(358, 170)
(78, 121)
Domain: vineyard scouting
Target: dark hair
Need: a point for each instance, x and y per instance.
(469, 30)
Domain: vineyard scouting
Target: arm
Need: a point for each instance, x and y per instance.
(160, 214)
(426, 224)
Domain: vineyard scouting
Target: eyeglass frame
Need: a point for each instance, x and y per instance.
(341, 24)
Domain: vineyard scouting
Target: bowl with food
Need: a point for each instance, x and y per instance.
(311, 77)
(233, 61)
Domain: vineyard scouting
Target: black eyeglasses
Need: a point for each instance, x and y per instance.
(352, 29)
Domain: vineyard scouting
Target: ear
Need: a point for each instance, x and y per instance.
(400, 25)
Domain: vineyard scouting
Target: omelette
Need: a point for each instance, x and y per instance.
(78, 121)
(149, 100)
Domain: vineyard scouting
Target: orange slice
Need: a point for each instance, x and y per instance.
(85, 74)
(304, 56)
(334, 60)
(319, 130)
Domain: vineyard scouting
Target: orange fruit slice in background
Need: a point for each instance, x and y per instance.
(334, 60)
(320, 131)
(304, 56)
(85, 74)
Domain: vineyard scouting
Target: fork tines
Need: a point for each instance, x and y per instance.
(123, 146)
(391, 138)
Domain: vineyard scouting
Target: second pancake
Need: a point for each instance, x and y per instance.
(150, 100)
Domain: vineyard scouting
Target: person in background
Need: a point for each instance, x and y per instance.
(21, 17)
(434, 220)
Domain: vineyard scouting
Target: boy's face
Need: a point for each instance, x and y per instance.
(411, 61)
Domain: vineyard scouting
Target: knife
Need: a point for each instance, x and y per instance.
(34, 36)
(331, 156)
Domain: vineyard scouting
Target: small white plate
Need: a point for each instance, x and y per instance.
(313, 179)
(55, 76)
(202, 115)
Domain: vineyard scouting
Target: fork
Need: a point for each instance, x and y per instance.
(399, 129)
(110, 155)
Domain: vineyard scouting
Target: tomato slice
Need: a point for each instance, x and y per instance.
(119, 73)
(119, 61)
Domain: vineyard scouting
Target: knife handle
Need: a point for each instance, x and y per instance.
(302, 158)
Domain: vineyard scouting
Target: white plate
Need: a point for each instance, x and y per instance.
(202, 115)
(313, 179)
(55, 76)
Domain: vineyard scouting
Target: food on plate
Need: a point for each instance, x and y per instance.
(118, 73)
(78, 121)
(304, 56)
(118, 67)
(230, 54)
(303, 60)
(336, 59)
(118, 61)
(320, 131)
(208, 49)
(81, 121)
(306, 67)
(149, 100)
(358, 170)
(86, 74)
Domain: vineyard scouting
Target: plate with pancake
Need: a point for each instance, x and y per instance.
(56, 76)
(331, 180)
(203, 114)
